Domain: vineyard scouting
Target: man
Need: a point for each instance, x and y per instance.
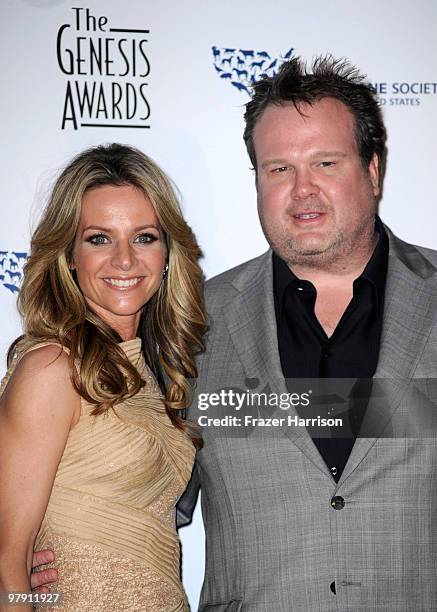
(327, 524)
(296, 521)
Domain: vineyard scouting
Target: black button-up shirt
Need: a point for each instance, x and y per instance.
(351, 352)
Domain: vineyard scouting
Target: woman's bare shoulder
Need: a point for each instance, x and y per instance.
(41, 376)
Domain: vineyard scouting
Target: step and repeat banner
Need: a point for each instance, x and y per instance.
(172, 79)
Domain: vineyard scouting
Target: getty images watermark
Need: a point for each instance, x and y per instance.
(246, 401)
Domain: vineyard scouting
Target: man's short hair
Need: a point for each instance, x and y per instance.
(329, 78)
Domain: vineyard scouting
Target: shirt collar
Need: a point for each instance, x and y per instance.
(375, 271)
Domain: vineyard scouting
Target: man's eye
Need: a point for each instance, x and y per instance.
(280, 169)
(98, 239)
(146, 238)
(326, 164)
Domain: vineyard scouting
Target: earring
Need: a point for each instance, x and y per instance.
(164, 272)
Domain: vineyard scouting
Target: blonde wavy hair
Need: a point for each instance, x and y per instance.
(54, 309)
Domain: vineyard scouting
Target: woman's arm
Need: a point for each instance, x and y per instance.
(37, 410)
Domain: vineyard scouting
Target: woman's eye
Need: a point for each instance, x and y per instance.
(146, 238)
(98, 239)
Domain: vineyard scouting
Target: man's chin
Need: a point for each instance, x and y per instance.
(310, 253)
(308, 248)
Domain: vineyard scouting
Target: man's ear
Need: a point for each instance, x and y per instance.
(374, 174)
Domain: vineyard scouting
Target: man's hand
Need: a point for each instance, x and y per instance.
(40, 579)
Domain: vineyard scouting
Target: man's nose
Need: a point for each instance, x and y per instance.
(123, 256)
(305, 185)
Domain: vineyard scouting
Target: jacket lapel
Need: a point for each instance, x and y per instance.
(251, 322)
(410, 308)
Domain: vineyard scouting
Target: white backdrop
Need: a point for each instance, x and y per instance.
(185, 95)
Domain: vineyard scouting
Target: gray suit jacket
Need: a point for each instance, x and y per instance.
(273, 540)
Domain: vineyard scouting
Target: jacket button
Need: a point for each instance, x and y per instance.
(337, 502)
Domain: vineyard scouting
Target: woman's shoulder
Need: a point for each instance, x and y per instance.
(39, 356)
(43, 355)
(39, 371)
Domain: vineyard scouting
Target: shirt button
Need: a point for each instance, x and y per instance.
(334, 470)
(332, 587)
(337, 502)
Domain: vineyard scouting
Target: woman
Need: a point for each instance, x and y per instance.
(93, 457)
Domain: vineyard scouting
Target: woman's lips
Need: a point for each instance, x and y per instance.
(123, 284)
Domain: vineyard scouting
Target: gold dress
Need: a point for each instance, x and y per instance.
(111, 515)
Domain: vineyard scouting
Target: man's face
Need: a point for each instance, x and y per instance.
(316, 201)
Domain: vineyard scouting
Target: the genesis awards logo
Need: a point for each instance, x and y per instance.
(106, 70)
(242, 67)
(11, 269)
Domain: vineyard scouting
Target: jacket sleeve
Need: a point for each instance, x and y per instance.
(187, 503)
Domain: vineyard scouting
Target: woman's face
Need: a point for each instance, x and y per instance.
(119, 254)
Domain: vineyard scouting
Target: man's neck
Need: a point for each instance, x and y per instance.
(339, 273)
(334, 284)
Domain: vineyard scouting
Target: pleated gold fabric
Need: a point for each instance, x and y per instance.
(111, 516)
